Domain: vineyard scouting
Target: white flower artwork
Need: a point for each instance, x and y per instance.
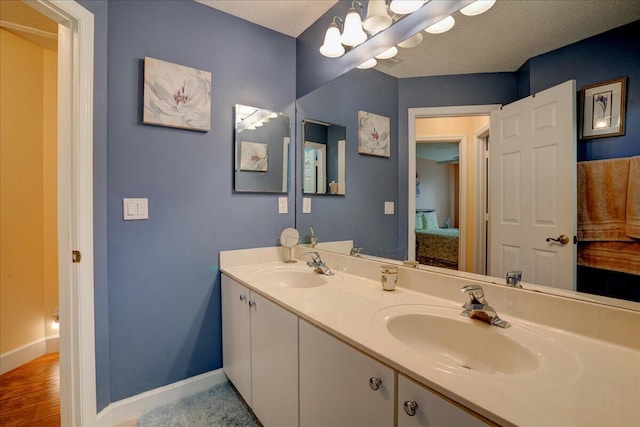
(254, 156)
(176, 96)
(373, 134)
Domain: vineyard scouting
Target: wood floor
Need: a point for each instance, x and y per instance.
(30, 394)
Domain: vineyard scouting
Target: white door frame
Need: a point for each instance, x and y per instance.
(75, 208)
(481, 201)
(461, 140)
(426, 112)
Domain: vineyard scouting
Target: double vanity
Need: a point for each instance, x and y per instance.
(312, 347)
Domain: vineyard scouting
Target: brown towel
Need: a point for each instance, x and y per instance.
(633, 199)
(602, 200)
(616, 256)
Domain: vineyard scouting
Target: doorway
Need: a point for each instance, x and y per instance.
(468, 195)
(74, 208)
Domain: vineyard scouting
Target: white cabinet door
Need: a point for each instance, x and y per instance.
(428, 408)
(274, 363)
(236, 336)
(334, 384)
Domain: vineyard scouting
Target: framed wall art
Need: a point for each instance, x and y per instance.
(602, 109)
(373, 134)
(176, 96)
(254, 156)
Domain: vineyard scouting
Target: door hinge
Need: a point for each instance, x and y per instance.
(76, 256)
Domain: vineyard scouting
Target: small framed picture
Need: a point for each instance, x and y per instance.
(373, 134)
(603, 109)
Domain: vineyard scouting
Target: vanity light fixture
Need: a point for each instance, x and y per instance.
(403, 7)
(378, 18)
(388, 54)
(368, 64)
(352, 33)
(442, 26)
(332, 47)
(477, 7)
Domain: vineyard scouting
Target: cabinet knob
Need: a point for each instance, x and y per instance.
(252, 303)
(375, 383)
(410, 407)
(243, 297)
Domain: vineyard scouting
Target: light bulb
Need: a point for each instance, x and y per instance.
(388, 54)
(442, 26)
(403, 7)
(377, 17)
(332, 48)
(368, 64)
(353, 35)
(412, 41)
(477, 7)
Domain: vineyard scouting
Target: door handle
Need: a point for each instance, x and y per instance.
(562, 239)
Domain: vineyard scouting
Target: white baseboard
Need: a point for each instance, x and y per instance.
(134, 407)
(26, 353)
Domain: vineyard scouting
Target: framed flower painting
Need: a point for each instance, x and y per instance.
(176, 96)
(603, 109)
(373, 134)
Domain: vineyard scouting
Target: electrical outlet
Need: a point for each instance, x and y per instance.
(283, 206)
(388, 208)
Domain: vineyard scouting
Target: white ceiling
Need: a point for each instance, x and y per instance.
(500, 40)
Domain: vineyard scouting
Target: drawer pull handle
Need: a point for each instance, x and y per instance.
(243, 297)
(252, 303)
(375, 383)
(410, 407)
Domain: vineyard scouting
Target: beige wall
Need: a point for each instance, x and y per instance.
(458, 126)
(28, 224)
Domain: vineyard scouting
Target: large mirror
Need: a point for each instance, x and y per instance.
(374, 182)
(262, 150)
(323, 159)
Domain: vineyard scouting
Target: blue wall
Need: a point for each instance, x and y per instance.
(164, 283)
(606, 56)
(370, 180)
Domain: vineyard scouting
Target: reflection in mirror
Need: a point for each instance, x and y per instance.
(534, 75)
(262, 150)
(323, 161)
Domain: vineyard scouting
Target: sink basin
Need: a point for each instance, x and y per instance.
(292, 277)
(462, 345)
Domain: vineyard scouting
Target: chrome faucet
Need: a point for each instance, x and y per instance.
(312, 237)
(478, 308)
(317, 264)
(514, 278)
(355, 251)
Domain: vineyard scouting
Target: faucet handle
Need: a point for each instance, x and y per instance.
(476, 293)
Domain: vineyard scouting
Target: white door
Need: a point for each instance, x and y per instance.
(340, 386)
(236, 335)
(533, 187)
(274, 363)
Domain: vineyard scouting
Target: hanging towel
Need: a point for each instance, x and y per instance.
(615, 256)
(633, 199)
(602, 200)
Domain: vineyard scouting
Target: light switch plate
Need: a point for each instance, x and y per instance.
(306, 205)
(134, 209)
(388, 208)
(283, 207)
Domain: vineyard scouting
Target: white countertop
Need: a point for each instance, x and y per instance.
(595, 382)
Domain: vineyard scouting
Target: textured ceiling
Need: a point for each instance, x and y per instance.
(290, 17)
(500, 40)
